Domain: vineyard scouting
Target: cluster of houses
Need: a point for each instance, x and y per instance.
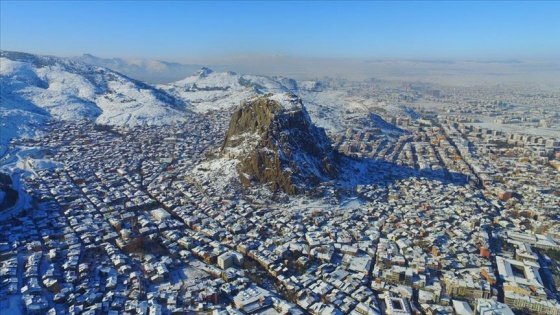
(452, 222)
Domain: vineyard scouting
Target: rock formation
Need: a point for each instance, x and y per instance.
(278, 145)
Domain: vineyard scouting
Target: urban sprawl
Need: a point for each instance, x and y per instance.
(459, 217)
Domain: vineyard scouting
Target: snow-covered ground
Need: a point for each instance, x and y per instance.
(37, 88)
(220, 172)
(147, 70)
(20, 163)
(208, 90)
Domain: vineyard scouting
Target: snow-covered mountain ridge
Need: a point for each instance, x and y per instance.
(209, 90)
(147, 70)
(36, 88)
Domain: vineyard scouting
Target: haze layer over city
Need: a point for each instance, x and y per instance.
(302, 157)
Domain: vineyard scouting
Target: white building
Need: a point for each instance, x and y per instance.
(225, 260)
(396, 306)
(160, 215)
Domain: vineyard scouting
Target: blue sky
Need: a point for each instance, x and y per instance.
(371, 29)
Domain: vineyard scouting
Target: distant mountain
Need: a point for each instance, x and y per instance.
(278, 145)
(147, 70)
(35, 88)
(207, 90)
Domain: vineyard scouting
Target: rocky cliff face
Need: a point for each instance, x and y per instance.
(278, 145)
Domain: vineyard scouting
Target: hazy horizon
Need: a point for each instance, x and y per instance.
(451, 42)
(443, 71)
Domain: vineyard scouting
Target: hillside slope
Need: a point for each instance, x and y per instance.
(35, 88)
(209, 90)
(147, 70)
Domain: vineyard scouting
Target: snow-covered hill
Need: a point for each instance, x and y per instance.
(208, 90)
(35, 88)
(147, 70)
(329, 108)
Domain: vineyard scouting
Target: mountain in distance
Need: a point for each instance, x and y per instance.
(148, 70)
(35, 88)
(209, 90)
(278, 145)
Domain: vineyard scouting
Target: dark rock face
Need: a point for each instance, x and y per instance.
(9, 194)
(279, 146)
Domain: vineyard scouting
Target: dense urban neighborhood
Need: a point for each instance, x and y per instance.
(452, 208)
